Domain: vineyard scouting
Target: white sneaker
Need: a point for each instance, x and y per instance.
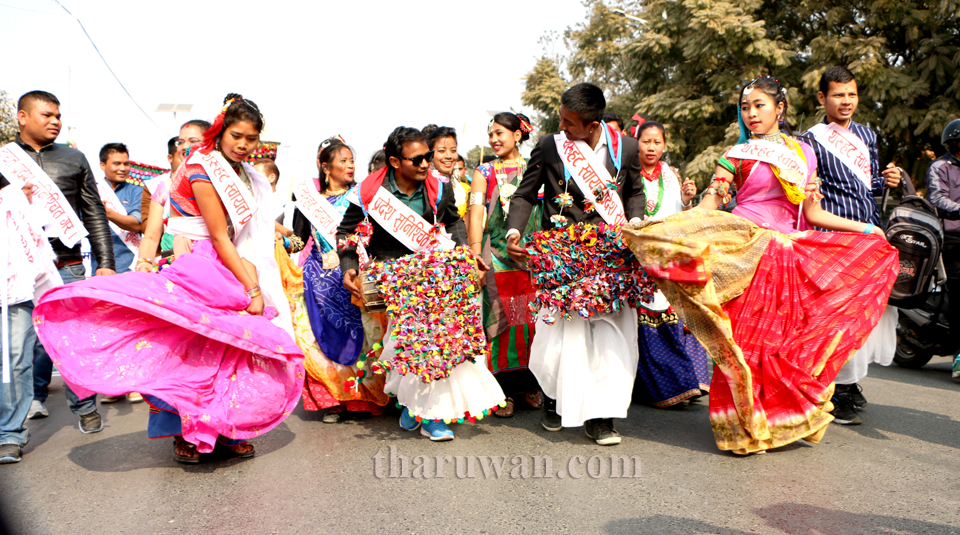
(37, 410)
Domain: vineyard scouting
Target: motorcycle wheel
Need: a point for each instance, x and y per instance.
(908, 356)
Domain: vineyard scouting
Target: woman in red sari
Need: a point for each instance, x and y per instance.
(779, 311)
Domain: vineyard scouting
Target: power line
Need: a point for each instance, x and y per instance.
(108, 67)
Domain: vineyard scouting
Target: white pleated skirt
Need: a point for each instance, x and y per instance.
(469, 389)
(587, 365)
(879, 347)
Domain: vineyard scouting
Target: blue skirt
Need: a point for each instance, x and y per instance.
(673, 365)
(335, 321)
(164, 421)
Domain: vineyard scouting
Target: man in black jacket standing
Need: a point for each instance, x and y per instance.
(38, 114)
(586, 367)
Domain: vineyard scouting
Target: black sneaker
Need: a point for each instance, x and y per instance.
(91, 423)
(9, 454)
(601, 430)
(843, 411)
(856, 394)
(549, 418)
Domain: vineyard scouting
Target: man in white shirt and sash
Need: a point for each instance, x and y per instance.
(849, 168)
(586, 367)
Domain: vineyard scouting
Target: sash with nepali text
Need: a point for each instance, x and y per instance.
(591, 176)
(847, 147)
(20, 169)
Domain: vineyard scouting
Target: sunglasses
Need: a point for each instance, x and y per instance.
(417, 161)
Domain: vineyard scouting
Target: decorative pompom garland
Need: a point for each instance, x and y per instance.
(141, 172)
(584, 269)
(434, 307)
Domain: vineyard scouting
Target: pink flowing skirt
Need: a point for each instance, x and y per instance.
(181, 336)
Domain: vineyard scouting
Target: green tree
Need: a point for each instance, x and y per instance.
(477, 152)
(8, 119)
(685, 66)
(689, 60)
(906, 56)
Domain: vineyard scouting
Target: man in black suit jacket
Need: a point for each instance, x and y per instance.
(602, 391)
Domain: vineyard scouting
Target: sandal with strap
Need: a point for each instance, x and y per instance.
(506, 411)
(534, 399)
(185, 452)
(240, 450)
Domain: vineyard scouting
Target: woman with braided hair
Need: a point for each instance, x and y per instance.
(779, 307)
(207, 340)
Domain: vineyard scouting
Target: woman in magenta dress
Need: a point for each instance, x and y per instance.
(196, 338)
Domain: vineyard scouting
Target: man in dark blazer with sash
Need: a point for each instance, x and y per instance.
(589, 363)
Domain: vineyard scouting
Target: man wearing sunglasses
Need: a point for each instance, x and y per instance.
(414, 193)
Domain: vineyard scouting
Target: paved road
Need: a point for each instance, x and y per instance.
(897, 473)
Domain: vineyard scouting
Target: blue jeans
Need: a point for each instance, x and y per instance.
(16, 396)
(43, 366)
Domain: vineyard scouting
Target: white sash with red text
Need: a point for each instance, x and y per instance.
(407, 226)
(322, 215)
(110, 200)
(792, 167)
(236, 198)
(20, 169)
(847, 147)
(586, 168)
(26, 260)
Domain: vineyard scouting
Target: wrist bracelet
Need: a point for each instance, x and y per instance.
(254, 292)
(869, 228)
(688, 204)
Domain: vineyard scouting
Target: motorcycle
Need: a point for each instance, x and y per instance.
(924, 332)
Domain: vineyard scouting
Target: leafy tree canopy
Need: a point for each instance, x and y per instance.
(684, 67)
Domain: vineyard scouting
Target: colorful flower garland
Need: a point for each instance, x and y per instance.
(141, 172)
(584, 269)
(434, 307)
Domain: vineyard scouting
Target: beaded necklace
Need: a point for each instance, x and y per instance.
(658, 170)
(773, 138)
(507, 190)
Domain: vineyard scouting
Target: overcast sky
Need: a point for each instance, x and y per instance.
(315, 68)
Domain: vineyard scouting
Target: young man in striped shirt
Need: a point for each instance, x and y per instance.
(849, 167)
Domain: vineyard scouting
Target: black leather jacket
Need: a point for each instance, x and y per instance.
(70, 171)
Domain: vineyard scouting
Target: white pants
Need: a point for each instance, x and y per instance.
(587, 365)
(879, 347)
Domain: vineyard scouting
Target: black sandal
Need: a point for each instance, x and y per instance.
(181, 445)
(243, 455)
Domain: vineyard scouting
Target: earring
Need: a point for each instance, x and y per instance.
(217, 145)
